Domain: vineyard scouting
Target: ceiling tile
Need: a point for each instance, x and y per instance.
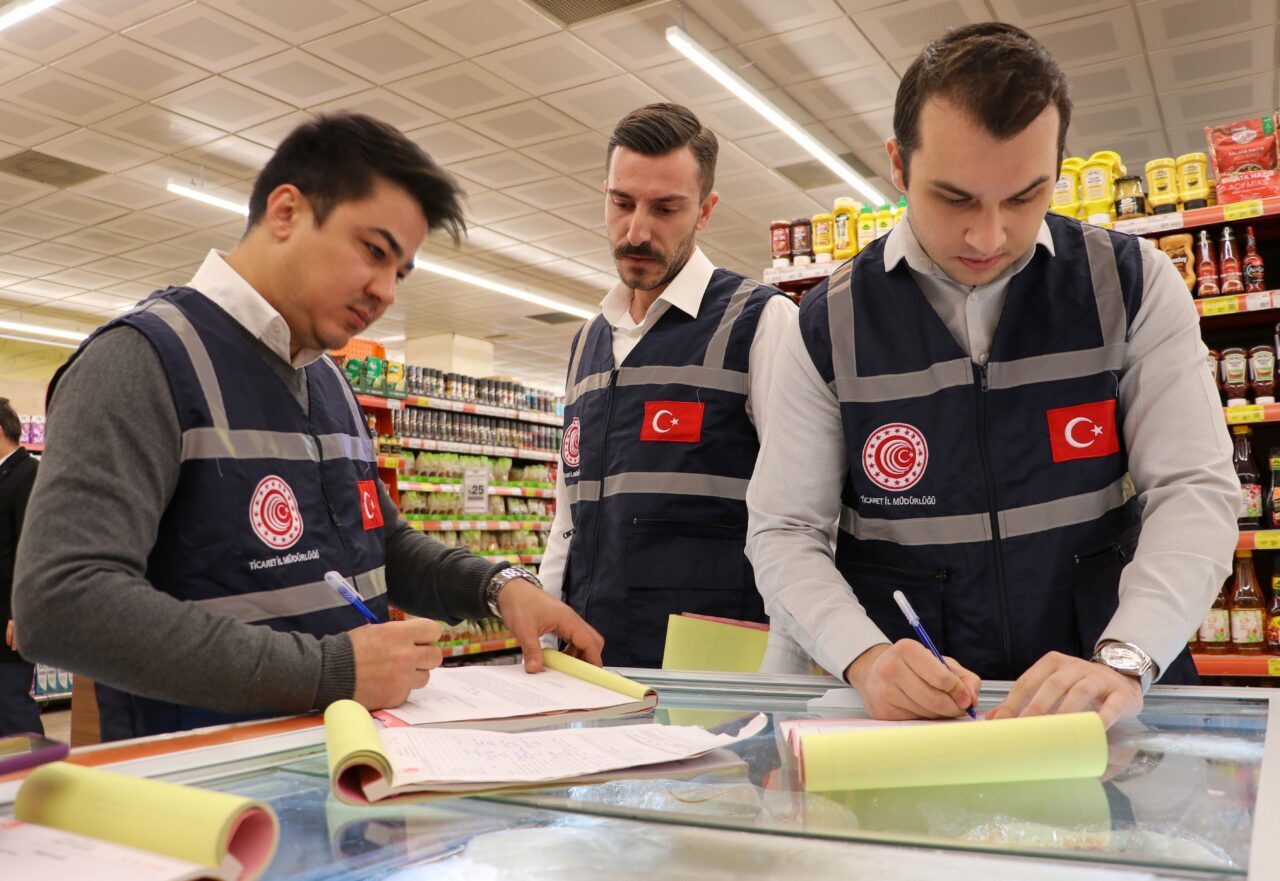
(532, 227)
(449, 142)
(601, 104)
(49, 36)
(298, 78)
(55, 253)
(78, 278)
(636, 38)
(383, 50)
(1117, 117)
(480, 25)
(588, 215)
(1135, 148)
(130, 68)
(576, 154)
(26, 222)
(903, 28)
(270, 134)
(753, 185)
(16, 191)
(149, 126)
(76, 208)
(1109, 81)
(458, 89)
(746, 20)
(25, 267)
(164, 255)
(41, 288)
(143, 226)
(99, 151)
(231, 155)
(1207, 61)
(814, 51)
(100, 241)
(130, 290)
(682, 82)
(196, 214)
(865, 129)
(1224, 101)
(298, 21)
(518, 125)
(732, 120)
(550, 64)
(772, 149)
(575, 244)
(763, 211)
(1033, 13)
(208, 38)
(1167, 23)
(117, 14)
(159, 173)
(1106, 36)
(856, 91)
(733, 159)
(98, 299)
(488, 207)
(13, 242)
(118, 267)
(555, 193)
(67, 97)
(387, 106)
(224, 104)
(13, 66)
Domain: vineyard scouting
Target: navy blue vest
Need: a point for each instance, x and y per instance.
(656, 459)
(268, 499)
(996, 497)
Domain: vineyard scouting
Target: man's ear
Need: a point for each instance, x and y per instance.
(897, 167)
(286, 206)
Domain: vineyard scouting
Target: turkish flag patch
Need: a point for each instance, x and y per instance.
(370, 507)
(672, 421)
(1086, 431)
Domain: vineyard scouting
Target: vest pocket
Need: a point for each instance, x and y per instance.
(666, 553)
(1095, 586)
(874, 583)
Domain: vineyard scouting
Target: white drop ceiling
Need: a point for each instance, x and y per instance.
(518, 106)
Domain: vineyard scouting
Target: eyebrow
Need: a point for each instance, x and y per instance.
(673, 197)
(959, 192)
(394, 245)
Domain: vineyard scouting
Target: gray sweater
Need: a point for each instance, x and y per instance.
(82, 600)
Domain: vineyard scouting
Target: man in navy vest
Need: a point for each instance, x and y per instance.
(208, 464)
(1007, 417)
(667, 389)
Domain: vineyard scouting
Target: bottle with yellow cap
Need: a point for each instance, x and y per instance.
(1097, 179)
(844, 229)
(866, 227)
(1162, 185)
(823, 242)
(1193, 180)
(1067, 190)
(884, 220)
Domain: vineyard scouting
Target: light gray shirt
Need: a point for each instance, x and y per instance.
(1179, 460)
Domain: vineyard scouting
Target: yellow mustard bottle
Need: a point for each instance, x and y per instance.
(823, 241)
(1193, 180)
(884, 220)
(1067, 190)
(866, 227)
(1097, 180)
(1162, 185)
(844, 229)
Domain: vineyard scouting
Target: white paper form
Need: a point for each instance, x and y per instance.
(457, 694)
(38, 853)
(439, 759)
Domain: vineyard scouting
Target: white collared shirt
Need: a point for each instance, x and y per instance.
(685, 293)
(229, 291)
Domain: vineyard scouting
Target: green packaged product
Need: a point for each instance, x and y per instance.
(397, 387)
(355, 372)
(375, 375)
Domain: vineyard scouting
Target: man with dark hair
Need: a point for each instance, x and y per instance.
(18, 709)
(230, 468)
(1007, 417)
(666, 392)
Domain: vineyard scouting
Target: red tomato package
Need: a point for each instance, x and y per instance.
(1246, 159)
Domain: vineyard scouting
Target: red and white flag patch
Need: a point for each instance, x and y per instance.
(370, 508)
(1086, 431)
(672, 421)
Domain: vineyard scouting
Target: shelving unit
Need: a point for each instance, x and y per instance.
(1259, 301)
(1181, 221)
(479, 648)
(407, 485)
(1237, 665)
(377, 402)
(433, 446)
(477, 525)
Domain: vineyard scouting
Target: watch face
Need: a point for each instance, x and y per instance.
(1121, 658)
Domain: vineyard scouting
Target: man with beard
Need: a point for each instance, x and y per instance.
(665, 396)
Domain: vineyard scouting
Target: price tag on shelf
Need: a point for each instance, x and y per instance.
(1242, 210)
(1148, 225)
(1273, 666)
(1257, 300)
(1267, 540)
(1220, 305)
(1248, 413)
(475, 491)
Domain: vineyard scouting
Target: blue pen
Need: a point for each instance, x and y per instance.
(914, 620)
(344, 589)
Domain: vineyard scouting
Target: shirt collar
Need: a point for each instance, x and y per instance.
(227, 289)
(902, 244)
(5, 457)
(684, 291)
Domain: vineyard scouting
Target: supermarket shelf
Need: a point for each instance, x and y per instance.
(798, 278)
(1259, 301)
(393, 462)
(378, 402)
(1196, 217)
(477, 525)
(515, 491)
(1237, 665)
(414, 443)
(1258, 540)
(1252, 413)
(49, 698)
(479, 648)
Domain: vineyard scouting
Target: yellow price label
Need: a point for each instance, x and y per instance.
(1267, 540)
(1248, 413)
(1242, 210)
(1273, 666)
(1220, 305)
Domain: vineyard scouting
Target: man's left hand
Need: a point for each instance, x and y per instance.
(1059, 683)
(9, 639)
(530, 612)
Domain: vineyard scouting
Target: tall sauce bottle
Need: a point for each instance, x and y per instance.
(1248, 633)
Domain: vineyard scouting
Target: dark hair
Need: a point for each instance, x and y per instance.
(999, 74)
(339, 158)
(657, 129)
(10, 424)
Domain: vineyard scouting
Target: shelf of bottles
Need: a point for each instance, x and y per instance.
(50, 684)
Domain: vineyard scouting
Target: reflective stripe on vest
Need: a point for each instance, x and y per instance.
(669, 482)
(301, 599)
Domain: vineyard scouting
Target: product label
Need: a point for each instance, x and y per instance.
(842, 240)
(1064, 191)
(1273, 631)
(1250, 501)
(1262, 367)
(1219, 306)
(1242, 210)
(822, 236)
(780, 241)
(1216, 626)
(1235, 369)
(1246, 414)
(1246, 626)
(1096, 184)
(1161, 181)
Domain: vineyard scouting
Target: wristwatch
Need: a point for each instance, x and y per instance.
(1127, 658)
(499, 581)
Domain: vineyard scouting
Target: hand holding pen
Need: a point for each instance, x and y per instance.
(914, 620)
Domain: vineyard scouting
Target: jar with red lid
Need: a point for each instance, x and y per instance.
(780, 243)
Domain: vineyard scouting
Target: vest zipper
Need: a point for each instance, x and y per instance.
(595, 541)
(980, 376)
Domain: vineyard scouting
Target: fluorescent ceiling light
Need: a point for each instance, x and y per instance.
(419, 262)
(41, 330)
(31, 339)
(207, 198)
(717, 70)
(23, 11)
